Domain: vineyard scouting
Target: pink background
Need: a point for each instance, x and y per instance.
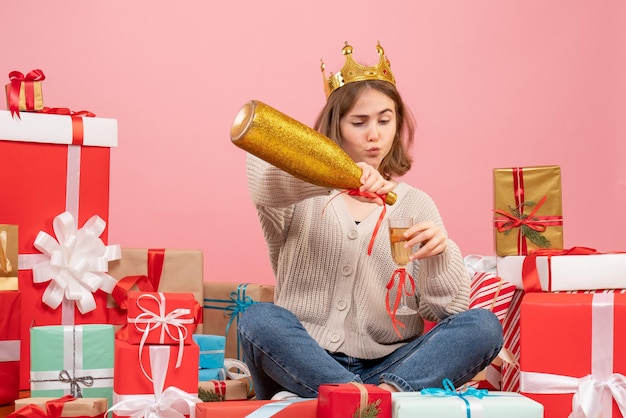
(491, 83)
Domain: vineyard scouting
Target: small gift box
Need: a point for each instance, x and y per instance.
(442, 403)
(353, 399)
(211, 350)
(155, 377)
(155, 270)
(161, 317)
(24, 91)
(70, 407)
(576, 268)
(527, 209)
(296, 408)
(72, 360)
(224, 390)
(224, 302)
(10, 312)
(8, 257)
(55, 164)
(574, 363)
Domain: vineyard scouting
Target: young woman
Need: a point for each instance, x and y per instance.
(331, 321)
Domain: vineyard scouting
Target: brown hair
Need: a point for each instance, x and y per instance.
(398, 161)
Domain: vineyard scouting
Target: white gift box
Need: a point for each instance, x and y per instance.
(568, 272)
(56, 129)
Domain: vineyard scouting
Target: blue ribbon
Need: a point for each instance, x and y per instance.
(450, 390)
(236, 305)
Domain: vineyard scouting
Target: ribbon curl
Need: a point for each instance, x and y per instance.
(391, 311)
(77, 262)
(17, 78)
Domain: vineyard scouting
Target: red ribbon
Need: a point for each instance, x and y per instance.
(402, 277)
(530, 277)
(371, 195)
(143, 283)
(510, 221)
(54, 409)
(219, 388)
(77, 120)
(17, 78)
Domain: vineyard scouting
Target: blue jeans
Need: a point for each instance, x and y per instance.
(281, 354)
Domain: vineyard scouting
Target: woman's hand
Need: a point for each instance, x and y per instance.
(429, 236)
(373, 182)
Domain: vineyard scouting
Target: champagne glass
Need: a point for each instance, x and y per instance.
(400, 255)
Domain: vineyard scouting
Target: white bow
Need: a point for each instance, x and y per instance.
(77, 262)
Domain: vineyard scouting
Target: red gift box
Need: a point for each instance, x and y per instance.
(298, 408)
(344, 400)
(576, 359)
(161, 317)
(10, 313)
(51, 174)
(154, 376)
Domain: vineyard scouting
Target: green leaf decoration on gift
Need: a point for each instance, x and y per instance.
(533, 236)
(209, 396)
(371, 410)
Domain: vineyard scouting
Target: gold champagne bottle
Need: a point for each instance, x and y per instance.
(295, 148)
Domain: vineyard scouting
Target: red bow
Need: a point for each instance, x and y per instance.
(16, 84)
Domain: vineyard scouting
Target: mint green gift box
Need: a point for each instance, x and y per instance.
(492, 405)
(72, 360)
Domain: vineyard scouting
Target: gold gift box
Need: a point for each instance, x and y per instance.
(79, 407)
(37, 96)
(528, 213)
(8, 257)
(224, 302)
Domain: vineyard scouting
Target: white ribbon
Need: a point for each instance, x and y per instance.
(153, 320)
(9, 350)
(271, 409)
(592, 393)
(169, 403)
(244, 370)
(76, 263)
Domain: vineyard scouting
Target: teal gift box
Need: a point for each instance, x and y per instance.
(72, 360)
(212, 349)
(491, 405)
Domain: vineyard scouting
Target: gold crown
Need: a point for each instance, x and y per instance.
(353, 71)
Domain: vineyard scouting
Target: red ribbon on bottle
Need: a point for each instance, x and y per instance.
(530, 277)
(54, 409)
(17, 78)
(510, 221)
(78, 133)
(371, 195)
(391, 311)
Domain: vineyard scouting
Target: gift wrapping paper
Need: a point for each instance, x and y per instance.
(161, 317)
(72, 360)
(575, 361)
(227, 390)
(566, 270)
(527, 209)
(296, 408)
(10, 313)
(510, 329)
(72, 407)
(344, 400)
(224, 303)
(155, 377)
(155, 270)
(24, 91)
(54, 165)
(440, 405)
(8, 257)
